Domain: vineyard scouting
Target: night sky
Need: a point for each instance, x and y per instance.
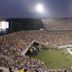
(27, 8)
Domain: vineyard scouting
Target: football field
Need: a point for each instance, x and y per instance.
(54, 58)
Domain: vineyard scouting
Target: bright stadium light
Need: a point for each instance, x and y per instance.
(40, 8)
(4, 25)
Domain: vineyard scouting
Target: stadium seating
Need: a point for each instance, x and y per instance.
(13, 44)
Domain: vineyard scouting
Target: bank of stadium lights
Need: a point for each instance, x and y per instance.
(39, 8)
(4, 25)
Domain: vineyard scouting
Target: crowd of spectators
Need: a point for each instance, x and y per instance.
(25, 63)
(4, 62)
(20, 40)
(52, 37)
(12, 45)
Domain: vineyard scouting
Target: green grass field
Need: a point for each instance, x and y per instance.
(54, 58)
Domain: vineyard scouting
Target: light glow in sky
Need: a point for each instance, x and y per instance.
(40, 8)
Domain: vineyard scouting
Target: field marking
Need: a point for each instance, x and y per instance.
(69, 50)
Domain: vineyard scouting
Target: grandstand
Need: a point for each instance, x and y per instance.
(16, 45)
(58, 24)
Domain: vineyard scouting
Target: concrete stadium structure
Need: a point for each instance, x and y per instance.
(58, 24)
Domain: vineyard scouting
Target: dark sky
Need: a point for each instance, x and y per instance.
(26, 8)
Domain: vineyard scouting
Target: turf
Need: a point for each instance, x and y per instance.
(54, 58)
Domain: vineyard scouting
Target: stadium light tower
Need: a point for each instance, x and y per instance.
(40, 8)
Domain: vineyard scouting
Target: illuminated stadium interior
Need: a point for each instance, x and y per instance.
(36, 36)
(28, 45)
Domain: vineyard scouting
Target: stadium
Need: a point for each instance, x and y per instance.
(36, 45)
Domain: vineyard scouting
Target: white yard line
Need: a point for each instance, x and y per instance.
(69, 50)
